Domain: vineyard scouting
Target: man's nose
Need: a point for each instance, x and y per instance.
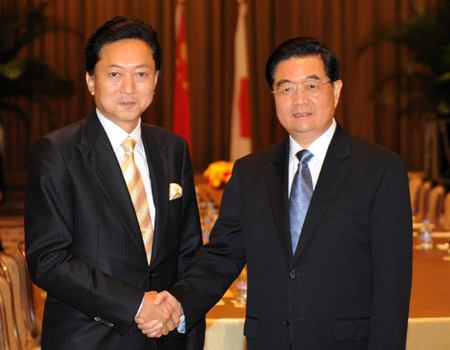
(299, 96)
(128, 85)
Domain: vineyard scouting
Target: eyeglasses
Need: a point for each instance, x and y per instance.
(309, 87)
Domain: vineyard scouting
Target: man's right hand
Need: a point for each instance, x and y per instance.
(161, 317)
(158, 317)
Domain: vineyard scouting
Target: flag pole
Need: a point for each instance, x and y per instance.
(240, 134)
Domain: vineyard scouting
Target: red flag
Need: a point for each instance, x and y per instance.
(181, 105)
(241, 142)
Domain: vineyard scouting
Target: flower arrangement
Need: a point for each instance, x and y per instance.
(218, 173)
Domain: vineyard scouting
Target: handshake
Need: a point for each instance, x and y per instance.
(160, 313)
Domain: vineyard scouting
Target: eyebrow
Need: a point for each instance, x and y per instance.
(120, 66)
(312, 76)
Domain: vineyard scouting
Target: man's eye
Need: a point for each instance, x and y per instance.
(311, 86)
(114, 74)
(287, 89)
(142, 74)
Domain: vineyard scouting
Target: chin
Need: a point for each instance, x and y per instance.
(302, 128)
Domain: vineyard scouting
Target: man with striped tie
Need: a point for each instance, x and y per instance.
(111, 215)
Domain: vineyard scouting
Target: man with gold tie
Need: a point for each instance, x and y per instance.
(111, 215)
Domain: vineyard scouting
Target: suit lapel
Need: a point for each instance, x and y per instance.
(276, 177)
(334, 170)
(99, 156)
(155, 152)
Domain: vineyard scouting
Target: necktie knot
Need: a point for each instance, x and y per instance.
(128, 144)
(304, 156)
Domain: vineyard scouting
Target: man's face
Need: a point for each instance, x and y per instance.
(124, 81)
(305, 115)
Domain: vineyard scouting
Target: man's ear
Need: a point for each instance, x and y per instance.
(156, 79)
(90, 82)
(337, 86)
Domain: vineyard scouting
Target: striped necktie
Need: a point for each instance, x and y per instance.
(136, 188)
(300, 196)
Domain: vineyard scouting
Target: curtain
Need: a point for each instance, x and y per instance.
(343, 25)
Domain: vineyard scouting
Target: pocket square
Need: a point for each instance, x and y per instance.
(175, 191)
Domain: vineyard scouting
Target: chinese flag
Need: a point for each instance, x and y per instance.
(181, 106)
(241, 142)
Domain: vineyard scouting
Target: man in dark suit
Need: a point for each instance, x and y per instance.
(111, 213)
(345, 282)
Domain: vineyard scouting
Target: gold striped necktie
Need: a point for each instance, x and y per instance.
(136, 188)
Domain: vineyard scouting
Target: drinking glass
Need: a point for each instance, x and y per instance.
(447, 256)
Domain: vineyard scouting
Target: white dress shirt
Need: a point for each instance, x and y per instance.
(116, 136)
(319, 150)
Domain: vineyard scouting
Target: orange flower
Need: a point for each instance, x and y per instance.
(218, 173)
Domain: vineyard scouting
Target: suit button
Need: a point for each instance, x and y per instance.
(292, 274)
(110, 325)
(285, 322)
(97, 319)
(151, 275)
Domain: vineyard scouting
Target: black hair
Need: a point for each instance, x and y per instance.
(121, 28)
(301, 47)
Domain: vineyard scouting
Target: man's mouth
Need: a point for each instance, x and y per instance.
(299, 115)
(127, 103)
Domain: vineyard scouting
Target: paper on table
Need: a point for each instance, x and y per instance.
(437, 234)
(220, 303)
(238, 304)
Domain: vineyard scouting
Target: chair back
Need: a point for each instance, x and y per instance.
(8, 303)
(414, 185)
(27, 290)
(445, 221)
(435, 204)
(25, 338)
(422, 200)
(4, 337)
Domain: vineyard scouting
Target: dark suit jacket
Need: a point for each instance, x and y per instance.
(348, 284)
(83, 242)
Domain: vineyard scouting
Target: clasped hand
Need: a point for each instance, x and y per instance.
(159, 314)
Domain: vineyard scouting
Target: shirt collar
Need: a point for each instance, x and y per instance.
(116, 134)
(318, 148)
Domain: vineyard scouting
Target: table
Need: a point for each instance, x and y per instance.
(225, 325)
(208, 199)
(429, 314)
(429, 317)
(430, 293)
